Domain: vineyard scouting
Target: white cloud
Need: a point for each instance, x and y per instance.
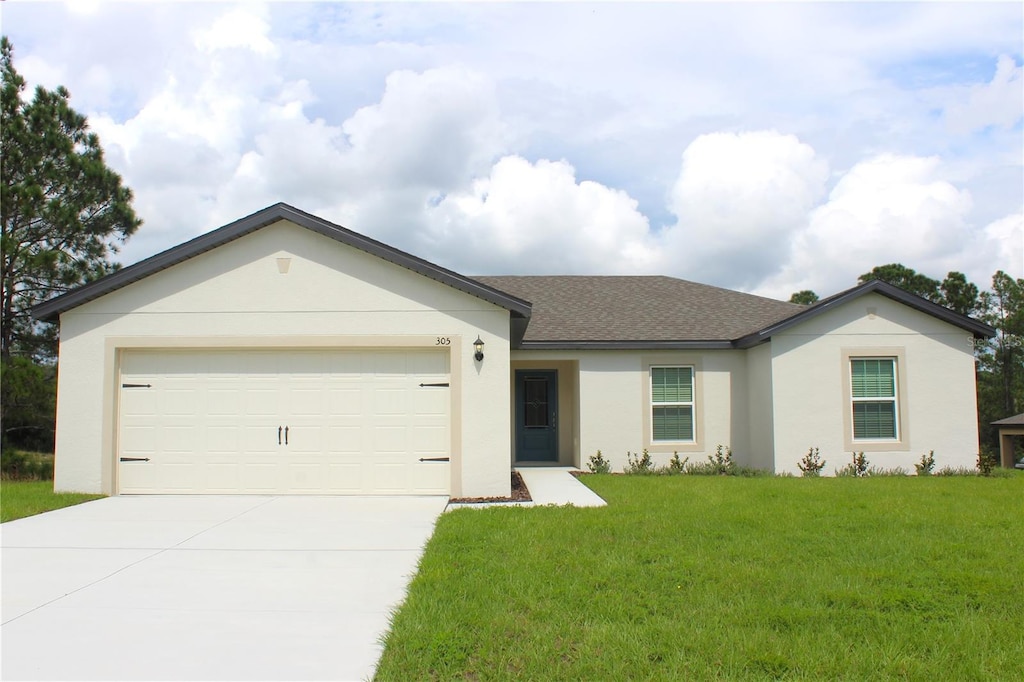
(1002, 249)
(431, 127)
(84, 7)
(884, 210)
(537, 218)
(238, 28)
(739, 200)
(997, 103)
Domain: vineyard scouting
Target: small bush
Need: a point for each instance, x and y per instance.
(639, 464)
(926, 465)
(986, 463)
(858, 468)
(676, 465)
(812, 464)
(597, 464)
(722, 462)
(719, 464)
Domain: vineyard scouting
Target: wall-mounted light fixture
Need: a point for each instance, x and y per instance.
(478, 346)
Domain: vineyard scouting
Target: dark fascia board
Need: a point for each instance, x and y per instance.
(624, 345)
(50, 310)
(980, 330)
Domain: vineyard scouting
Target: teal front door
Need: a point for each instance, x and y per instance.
(536, 415)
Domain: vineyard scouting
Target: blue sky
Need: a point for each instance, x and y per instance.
(768, 147)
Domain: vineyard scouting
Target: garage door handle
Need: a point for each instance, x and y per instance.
(435, 459)
(135, 459)
(286, 435)
(278, 435)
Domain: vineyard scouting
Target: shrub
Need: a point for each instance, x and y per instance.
(926, 465)
(639, 464)
(857, 468)
(597, 464)
(676, 465)
(812, 464)
(986, 463)
(722, 462)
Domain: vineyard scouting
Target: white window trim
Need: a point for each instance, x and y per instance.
(879, 399)
(692, 403)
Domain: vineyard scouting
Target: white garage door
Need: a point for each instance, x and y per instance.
(297, 421)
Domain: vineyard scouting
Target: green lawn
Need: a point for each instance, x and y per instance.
(689, 578)
(19, 499)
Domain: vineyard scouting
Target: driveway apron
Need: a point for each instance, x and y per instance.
(207, 587)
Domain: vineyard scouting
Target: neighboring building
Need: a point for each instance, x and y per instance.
(1009, 428)
(285, 354)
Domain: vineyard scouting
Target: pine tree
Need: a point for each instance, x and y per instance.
(64, 212)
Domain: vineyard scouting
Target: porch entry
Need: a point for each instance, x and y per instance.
(536, 415)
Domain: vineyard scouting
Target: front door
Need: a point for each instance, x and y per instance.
(536, 415)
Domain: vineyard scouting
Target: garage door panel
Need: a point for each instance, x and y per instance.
(260, 477)
(390, 477)
(430, 438)
(345, 478)
(348, 440)
(224, 397)
(306, 402)
(432, 478)
(345, 400)
(223, 439)
(358, 421)
(262, 398)
(390, 400)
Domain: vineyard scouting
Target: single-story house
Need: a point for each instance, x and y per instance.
(284, 354)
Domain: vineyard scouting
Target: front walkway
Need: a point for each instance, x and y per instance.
(547, 485)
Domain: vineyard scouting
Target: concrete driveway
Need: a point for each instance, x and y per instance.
(207, 587)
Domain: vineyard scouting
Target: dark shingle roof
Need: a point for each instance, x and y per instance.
(637, 309)
(1015, 420)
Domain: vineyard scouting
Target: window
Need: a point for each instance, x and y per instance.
(873, 389)
(672, 404)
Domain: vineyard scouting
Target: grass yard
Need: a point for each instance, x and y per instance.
(690, 578)
(19, 499)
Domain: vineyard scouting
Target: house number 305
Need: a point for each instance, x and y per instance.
(443, 341)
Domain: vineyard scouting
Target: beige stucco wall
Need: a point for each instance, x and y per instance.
(614, 396)
(236, 296)
(761, 429)
(937, 398)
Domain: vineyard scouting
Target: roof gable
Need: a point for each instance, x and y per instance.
(980, 330)
(51, 309)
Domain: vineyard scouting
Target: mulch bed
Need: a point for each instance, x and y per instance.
(520, 493)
